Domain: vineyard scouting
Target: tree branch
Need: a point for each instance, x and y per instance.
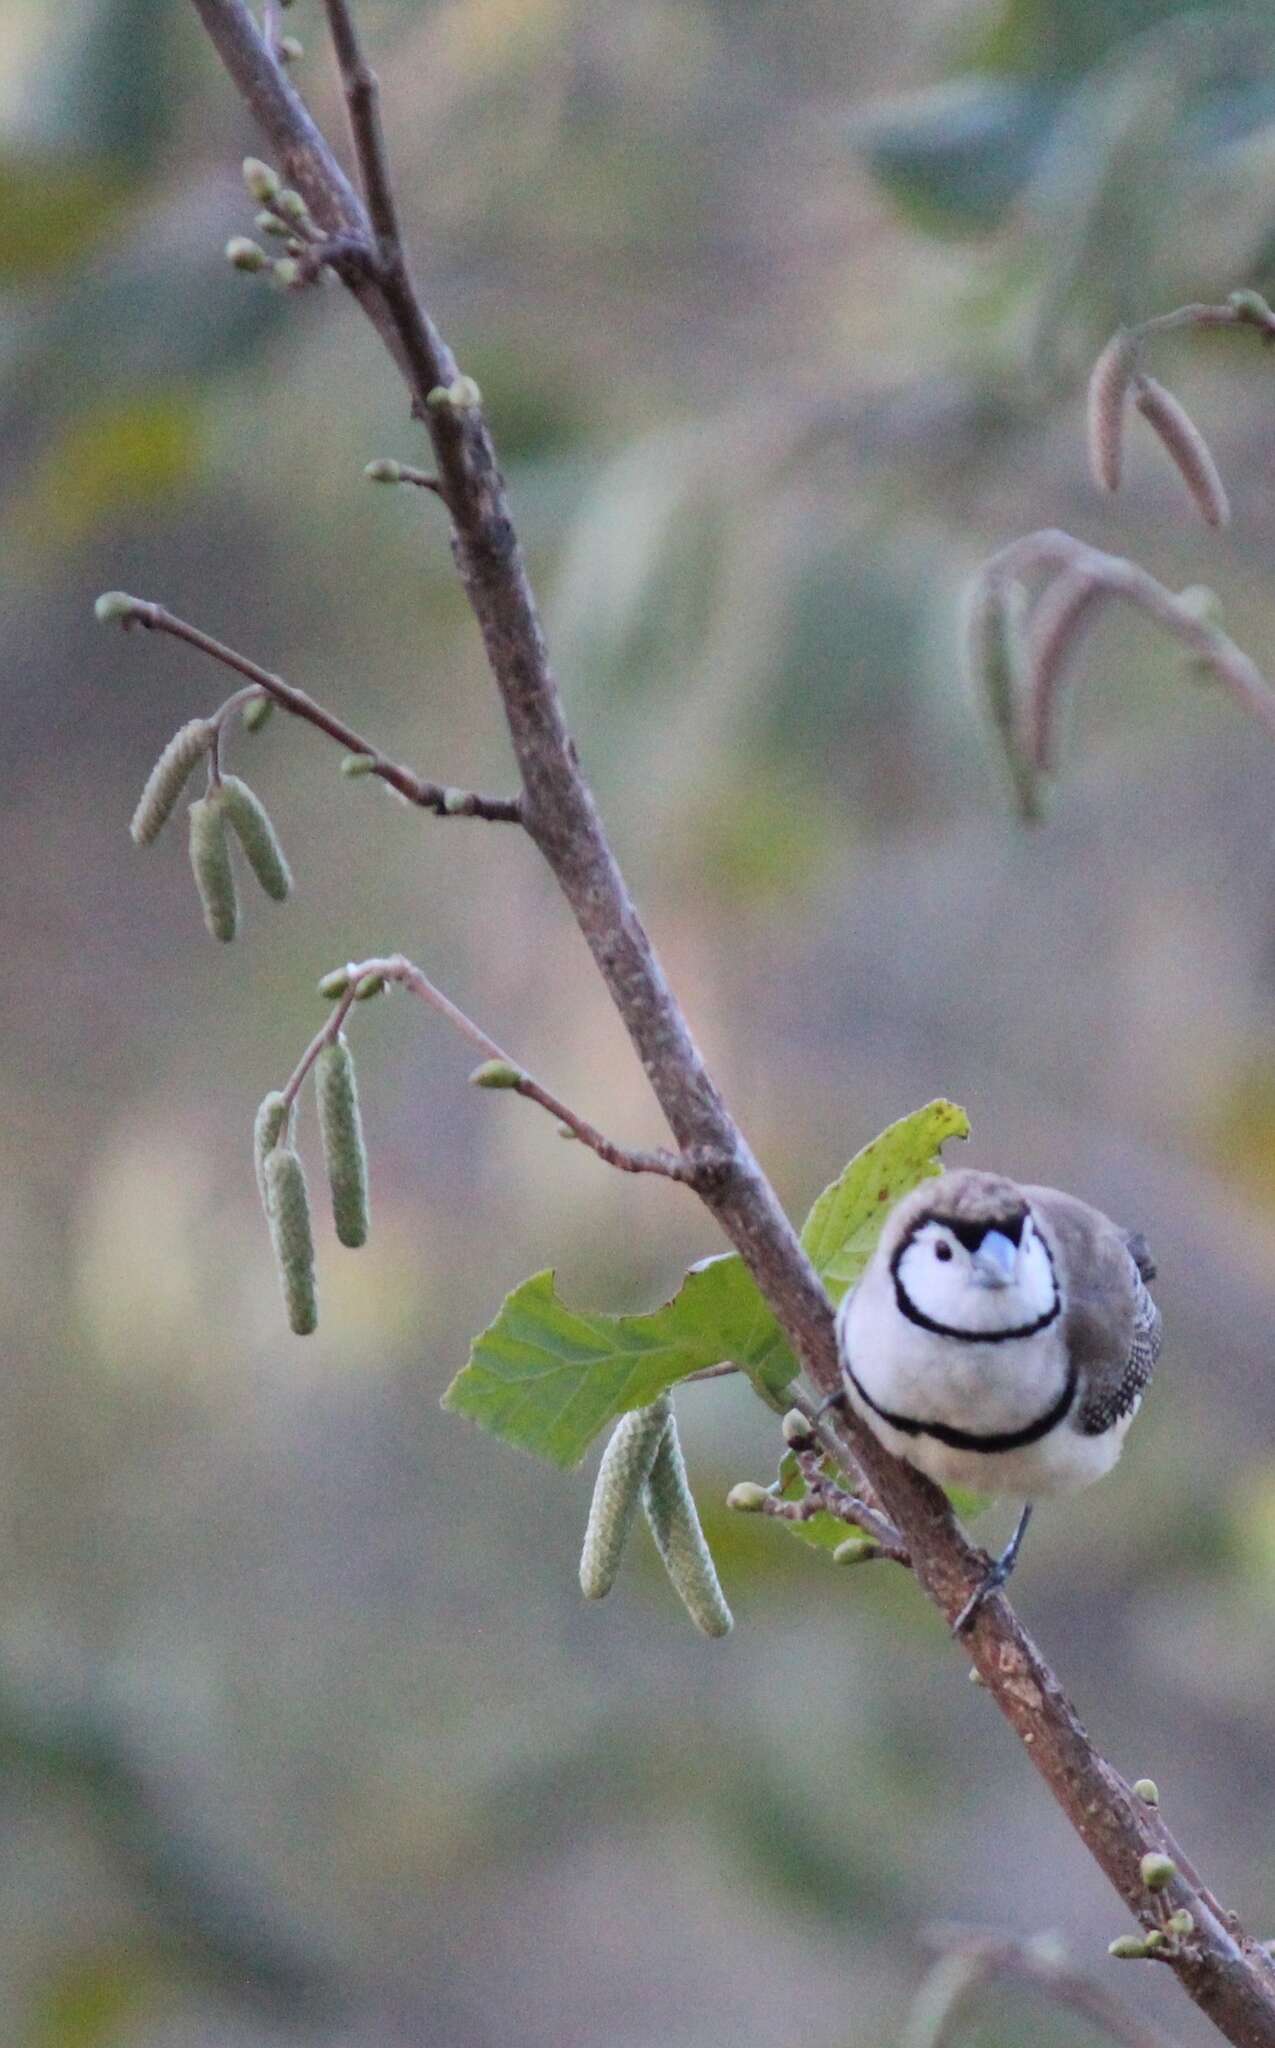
(443, 801)
(1233, 1983)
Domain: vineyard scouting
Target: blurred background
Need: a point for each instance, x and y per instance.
(782, 311)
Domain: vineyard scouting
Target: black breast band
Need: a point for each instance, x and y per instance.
(966, 1439)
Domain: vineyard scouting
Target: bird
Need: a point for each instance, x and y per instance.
(1001, 1337)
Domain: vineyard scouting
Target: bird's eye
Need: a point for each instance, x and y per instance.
(942, 1251)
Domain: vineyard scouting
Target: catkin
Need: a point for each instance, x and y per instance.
(622, 1476)
(266, 1131)
(1186, 448)
(258, 713)
(344, 1152)
(210, 864)
(675, 1525)
(994, 654)
(257, 836)
(1109, 383)
(167, 780)
(1056, 624)
(288, 1211)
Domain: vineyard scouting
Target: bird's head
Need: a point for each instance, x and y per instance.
(969, 1260)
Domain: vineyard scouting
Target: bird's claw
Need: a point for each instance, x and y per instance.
(991, 1582)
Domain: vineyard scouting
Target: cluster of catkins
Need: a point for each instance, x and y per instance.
(643, 1463)
(282, 1184)
(228, 806)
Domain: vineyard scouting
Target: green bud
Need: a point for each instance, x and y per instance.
(371, 985)
(565, 1131)
(1252, 305)
(675, 1525)
(264, 184)
(454, 802)
(334, 983)
(384, 471)
(976, 1677)
(1155, 1938)
(288, 1210)
(623, 1473)
(464, 395)
(1147, 1791)
(114, 605)
(287, 273)
(856, 1550)
(167, 780)
(1157, 1871)
(797, 1430)
(291, 205)
(1181, 1923)
(341, 1128)
(1128, 1948)
(357, 764)
(496, 1074)
(289, 49)
(242, 254)
(210, 864)
(747, 1498)
(256, 834)
(266, 1132)
(270, 224)
(258, 713)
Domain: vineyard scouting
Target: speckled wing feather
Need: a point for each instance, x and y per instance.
(1111, 1325)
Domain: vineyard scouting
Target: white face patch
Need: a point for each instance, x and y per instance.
(947, 1283)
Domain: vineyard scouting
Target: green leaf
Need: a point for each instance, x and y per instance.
(547, 1378)
(842, 1229)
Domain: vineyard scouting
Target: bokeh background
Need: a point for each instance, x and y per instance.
(782, 311)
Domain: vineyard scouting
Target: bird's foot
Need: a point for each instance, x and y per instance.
(994, 1577)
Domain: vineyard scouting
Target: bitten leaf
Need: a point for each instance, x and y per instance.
(842, 1228)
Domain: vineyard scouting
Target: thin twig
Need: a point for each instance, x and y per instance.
(431, 796)
(1231, 1980)
(989, 1959)
(398, 969)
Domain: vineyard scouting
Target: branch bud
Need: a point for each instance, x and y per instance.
(341, 1129)
(167, 780)
(258, 838)
(264, 184)
(675, 1525)
(384, 471)
(243, 254)
(270, 224)
(334, 983)
(1128, 1948)
(856, 1550)
(1157, 1871)
(1147, 1791)
(797, 1431)
(258, 713)
(287, 273)
(623, 1473)
(371, 985)
(292, 206)
(210, 864)
(455, 802)
(461, 395)
(1251, 305)
(747, 1498)
(1187, 449)
(496, 1074)
(357, 764)
(289, 49)
(115, 606)
(1180, 1924)
(1109, 383)
(288, 1211)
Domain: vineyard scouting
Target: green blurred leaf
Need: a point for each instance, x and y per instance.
(822, 1531)
(842, 1228)
(547, 1378)
(955, 158)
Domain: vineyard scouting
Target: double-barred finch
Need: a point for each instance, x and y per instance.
(1000, 1338)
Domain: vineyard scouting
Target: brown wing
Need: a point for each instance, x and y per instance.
(1111, 1326)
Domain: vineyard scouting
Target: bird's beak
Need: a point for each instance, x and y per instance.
(996, 1260)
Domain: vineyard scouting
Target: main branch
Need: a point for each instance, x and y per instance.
(1232, 1981)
